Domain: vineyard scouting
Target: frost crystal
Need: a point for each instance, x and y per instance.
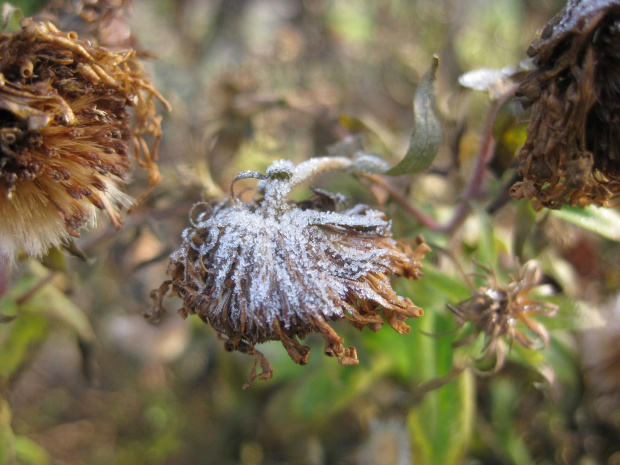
(272, 269)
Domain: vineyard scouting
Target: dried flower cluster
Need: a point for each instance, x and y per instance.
(572, 152)
(65, 132)
(495, 310)
(272, 269)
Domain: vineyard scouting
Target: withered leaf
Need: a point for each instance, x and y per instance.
(426, 135)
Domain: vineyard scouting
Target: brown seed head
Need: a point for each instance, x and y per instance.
(498, 311)
(65, 133)
(572, 152)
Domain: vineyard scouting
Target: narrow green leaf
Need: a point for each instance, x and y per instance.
(603, 221)
(7, 438)
(524, 225)
(426, 135)
(29, 452)
(505, 401)
(24, 335)
(486, 253)
(440, 428)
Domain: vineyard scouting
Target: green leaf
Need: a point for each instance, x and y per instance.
(41, 303)
(486, 248)
(24, 335)
(603, 221)
(7, 438)
(29, 452)
(426, 135)
(8, 309)
(532, 358)
(572, 314)
(525, 222)
(11, 16)
(51, 302)
(505, 401)
(440, 427)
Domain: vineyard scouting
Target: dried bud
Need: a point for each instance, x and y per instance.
(572, 152)
(495, 311)
(65, 132)
(272, 269)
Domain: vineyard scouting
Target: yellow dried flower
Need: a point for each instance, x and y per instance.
(572, 152)
(65, 133)
(272, 269)
(496, 310)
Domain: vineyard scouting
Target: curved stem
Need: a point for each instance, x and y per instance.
(423, 218)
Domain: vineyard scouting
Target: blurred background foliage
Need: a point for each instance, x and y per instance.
(86, 380)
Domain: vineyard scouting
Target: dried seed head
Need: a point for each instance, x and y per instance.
(572, 152)
(65, 132)
(272, 269)
(495, 311)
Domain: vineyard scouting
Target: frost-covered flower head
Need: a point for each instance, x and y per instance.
(273, 269)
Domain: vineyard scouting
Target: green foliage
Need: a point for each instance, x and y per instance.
(440, 426)
(602, 221)
(426, 135)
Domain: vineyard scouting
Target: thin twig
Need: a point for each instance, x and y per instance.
(477, 185)
(134, 220)
(424, 388)
(34, 289)
(423, 218)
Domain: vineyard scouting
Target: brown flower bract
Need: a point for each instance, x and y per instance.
(572, 152)
(65, 132)
(273, 269)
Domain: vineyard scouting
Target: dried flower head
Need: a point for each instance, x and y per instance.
(65, 132)
(272, 269)
(572, 152)
(495, 310)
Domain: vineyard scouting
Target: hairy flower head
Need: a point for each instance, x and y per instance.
(572, 152)
(65, 132)
(504, 312)
(272, 269)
